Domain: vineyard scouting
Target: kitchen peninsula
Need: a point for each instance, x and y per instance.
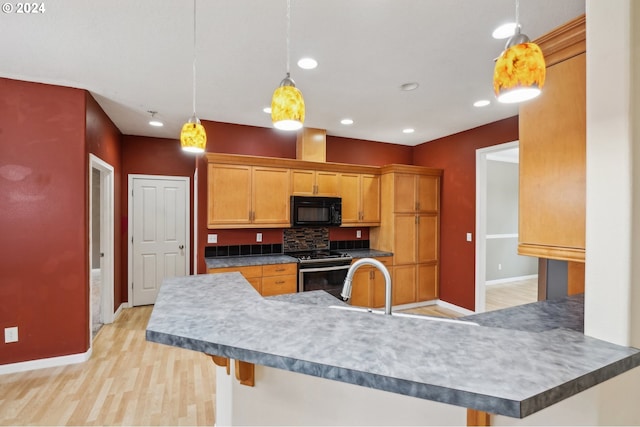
(389, 369)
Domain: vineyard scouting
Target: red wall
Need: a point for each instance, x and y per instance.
(43, 221)
(151, 156)
(456, 155)
(230, 138)
(371, 153)
(103, 140)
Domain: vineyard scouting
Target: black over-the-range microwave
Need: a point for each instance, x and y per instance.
(310, 211)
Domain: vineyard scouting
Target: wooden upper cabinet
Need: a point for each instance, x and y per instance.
(553, 165)
(428, 193)
(416, 193)
(245, 196)
(270, 196)
(360, 199)
(229, 198)
(314, 183)
(404, 193)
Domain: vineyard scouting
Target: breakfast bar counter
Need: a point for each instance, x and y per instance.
(512, 372)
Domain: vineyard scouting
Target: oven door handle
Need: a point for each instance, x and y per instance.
(328, 268)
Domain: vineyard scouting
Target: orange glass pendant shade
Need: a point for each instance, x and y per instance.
(193, 137)
(287, 106)
(519, 73)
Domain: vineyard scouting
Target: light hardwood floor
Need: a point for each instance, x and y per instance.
(127, 381)
(497, 296)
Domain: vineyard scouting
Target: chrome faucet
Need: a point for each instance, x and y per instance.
(346, 289)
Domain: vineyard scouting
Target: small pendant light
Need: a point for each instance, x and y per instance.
(287, 104)
(520, 70)
(193, 137)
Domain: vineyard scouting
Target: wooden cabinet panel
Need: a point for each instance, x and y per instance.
(303, 182)
(350, 193)
(279, 269)
(229, 198)
(370, 198)
(314, 183)
(277, 285)
(553, 165)
(327, 184)
(427, 238)
(405, 237)
(360, 287)
(270, 196)
(248, 272)
(427, 282)
(404, 193)
(428, 193)
(378, 287)
(404, 285)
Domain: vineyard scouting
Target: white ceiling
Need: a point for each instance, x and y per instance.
(135, 56)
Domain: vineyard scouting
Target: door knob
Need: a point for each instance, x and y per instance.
(181, 247)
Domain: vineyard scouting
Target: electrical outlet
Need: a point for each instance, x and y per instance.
(11, 334)
(212, 238)
(469, 237)
(258, 237)
(358, 234)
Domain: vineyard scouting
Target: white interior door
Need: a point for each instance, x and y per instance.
(159, 233)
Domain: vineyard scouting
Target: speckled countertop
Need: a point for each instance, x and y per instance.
(248, 260)
(490, 368)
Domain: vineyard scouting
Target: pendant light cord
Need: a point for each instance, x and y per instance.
(194, 58)
(288, 33)
(517, 15)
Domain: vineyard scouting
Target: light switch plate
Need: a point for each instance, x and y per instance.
(258, 237)
(358, 234)
(469, 237)
(212, 238)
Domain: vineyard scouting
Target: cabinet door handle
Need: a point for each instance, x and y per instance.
(417, 206)
(280, 269)
(416, 219)
(279, 282)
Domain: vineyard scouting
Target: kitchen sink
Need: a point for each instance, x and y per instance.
(396, 314)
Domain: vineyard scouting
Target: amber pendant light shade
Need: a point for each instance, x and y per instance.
(519, 73)
(287, 106)
(193, 137)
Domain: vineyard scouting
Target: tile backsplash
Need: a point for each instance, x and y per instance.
(302, 239)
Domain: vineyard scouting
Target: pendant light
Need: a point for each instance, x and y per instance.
(287, 104)
(520, 70)
(193, 138)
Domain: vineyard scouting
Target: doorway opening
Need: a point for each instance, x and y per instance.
(503, 278)
(101, 244)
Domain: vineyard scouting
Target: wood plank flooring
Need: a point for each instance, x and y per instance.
(511, 294)
(127, 381)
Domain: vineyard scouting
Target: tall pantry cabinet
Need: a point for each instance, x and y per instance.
(410, 228)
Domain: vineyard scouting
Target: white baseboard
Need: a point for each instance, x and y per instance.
(509, 279)
(414, 305)
(50, 362)
(454, 307)
(119, 310)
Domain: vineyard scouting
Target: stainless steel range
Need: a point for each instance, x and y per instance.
(322, 270)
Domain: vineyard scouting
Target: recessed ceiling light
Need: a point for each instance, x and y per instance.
(482, 103)
(409, 86)
(504, 31)
(267, 110)
(154, 121)
(346, 121)
(408, 130)
(307, 63)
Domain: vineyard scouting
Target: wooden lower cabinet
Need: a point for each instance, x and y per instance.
(279, 279)
(404, 284)
(427, 282)
(270, 279)
(368, 287)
